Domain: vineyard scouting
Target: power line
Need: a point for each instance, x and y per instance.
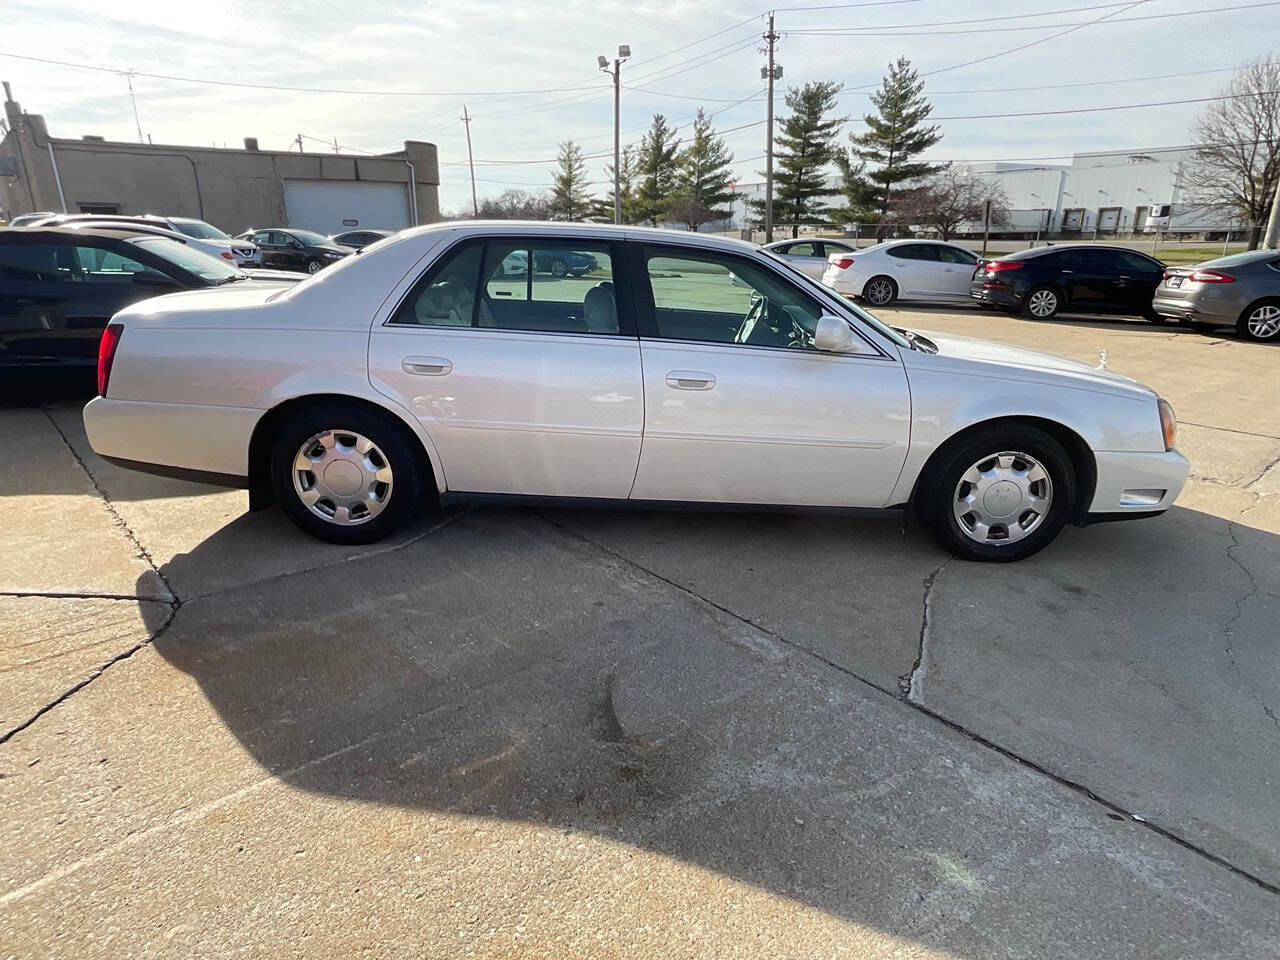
(1118, 106)
(948, 23)
(873, 32)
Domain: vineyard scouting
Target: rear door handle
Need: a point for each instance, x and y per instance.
(426, 366)
(690, 380)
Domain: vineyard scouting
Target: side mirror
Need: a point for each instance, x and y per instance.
(833, 335)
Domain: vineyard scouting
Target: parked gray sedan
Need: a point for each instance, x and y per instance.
(1241, 291)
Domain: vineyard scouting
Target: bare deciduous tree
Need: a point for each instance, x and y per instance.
(1237, 158)
(953, 196)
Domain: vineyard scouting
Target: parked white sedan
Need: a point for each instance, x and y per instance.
(903, 269)
(421, 370)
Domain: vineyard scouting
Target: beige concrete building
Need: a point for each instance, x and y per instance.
(234, 189)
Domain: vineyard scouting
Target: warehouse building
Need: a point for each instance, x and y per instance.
(234, 189)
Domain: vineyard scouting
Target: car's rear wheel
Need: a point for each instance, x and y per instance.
(1261, 321)
(880, 291)
(1001, 494)
(345, 474)
(1042, 303)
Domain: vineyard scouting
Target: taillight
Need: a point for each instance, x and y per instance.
(227, 255)
(1212, 276)
(844, 263)
(107, 354)
(999, 266)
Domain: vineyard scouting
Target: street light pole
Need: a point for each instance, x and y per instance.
(624, 54)
(1272, 239)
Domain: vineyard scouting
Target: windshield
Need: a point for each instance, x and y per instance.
(204, 266)
(315, 239)
(200, 230)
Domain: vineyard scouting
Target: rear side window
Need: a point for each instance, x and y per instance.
(39, 261)
(915, 251)
(445, 296)
(803, 249)
(1135, 262)
(956, 255)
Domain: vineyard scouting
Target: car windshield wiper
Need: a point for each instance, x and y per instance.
(235, 276)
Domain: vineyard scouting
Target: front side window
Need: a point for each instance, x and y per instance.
(107, 265)
(717, 299)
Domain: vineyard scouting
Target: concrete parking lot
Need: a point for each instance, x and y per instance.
(635, 734)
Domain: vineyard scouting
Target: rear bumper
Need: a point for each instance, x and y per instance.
(1136, 484)
(1195, 311)
(844, 284)
(184, 440)
(1000, 296)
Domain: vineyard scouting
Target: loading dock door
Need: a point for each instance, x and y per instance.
(1108, 219)
(331, 206)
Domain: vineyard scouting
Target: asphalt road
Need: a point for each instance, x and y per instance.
(598, 734)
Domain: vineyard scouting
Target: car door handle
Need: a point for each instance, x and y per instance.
(690, 380)
(426, 366)
(1068, 271)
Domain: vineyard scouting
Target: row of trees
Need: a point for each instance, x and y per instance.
(658, 179)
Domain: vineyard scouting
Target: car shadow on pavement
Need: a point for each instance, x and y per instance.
(598, 673)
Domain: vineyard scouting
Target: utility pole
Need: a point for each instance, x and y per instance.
(771, 72)
(986, 226)
(1272, 239)
(466, 122)
(128, 78)
(624, 54)
(298, 141)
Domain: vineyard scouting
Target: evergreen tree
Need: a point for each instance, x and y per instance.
(569, 198)
(896, 134)
(655, 171)
(602, 208)
(702, 177)
(804, 147)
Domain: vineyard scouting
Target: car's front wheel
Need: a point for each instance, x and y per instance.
(313, 266)
(559, 268)
(1000, 494)
(1261, 321)
(345, 474)
(1042, 303)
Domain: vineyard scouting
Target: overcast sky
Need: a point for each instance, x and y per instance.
(493, 56)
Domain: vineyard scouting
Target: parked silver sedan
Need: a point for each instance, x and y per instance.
(1241, 291)
(808, 256)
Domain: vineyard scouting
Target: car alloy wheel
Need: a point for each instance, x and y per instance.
(558, 268)
(1002, 498)
(879, 291)
(1263, 322)
(342, 477)
(1042, 303)
(313, 266)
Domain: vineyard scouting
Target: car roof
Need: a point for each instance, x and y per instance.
(596, 231)
(68, 234)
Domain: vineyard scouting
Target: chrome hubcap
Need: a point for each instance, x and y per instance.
(1002, 498)
(1264, 323)
(880, 292)
(342, 477)
(1043, 303)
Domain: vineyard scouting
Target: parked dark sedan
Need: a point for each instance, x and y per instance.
(288, 248)
(1084, 279)
(359, 239)
(60, 286)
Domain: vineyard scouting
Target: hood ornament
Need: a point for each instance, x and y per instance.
(1102, 360)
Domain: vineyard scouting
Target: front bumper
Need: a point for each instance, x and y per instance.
(1136, 484)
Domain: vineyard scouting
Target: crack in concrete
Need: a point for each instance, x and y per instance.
(972, 735)
(1243, 433)
(143, 553)
(97, 672)
(1265, 471)
(78, 595)
(1228, 628)
(911, 684)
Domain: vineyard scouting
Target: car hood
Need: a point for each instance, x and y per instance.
(278, 276)
(1029, 364)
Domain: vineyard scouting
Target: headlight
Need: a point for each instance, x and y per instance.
(334, 256)
(1168, 423)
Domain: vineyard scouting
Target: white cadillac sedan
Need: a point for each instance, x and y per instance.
(679, 369)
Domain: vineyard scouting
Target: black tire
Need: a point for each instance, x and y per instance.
(314, 266)
(939, 485)
(1252, 315)
(559, 268)
(872, 294)
(1051, 297)
(393, 443)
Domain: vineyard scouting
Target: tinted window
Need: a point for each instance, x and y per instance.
(308, 236)
(717, 299)
(1135, 262)
(445, 296)
(915, 251)
(278, 239)
(1086, 260)
(261, 236)
(956, 255)
(39, 261)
